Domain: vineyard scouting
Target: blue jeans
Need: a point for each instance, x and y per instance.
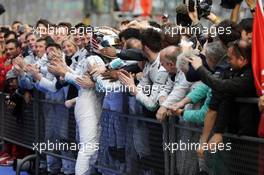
(113, 132)
(137, 146)
(56, 130)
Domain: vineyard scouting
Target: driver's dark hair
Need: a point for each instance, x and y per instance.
(152, 39)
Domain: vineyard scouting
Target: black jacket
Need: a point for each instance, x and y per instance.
(241, 118)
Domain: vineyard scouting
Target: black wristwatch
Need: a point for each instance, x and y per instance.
(253, 10)
(182, 112)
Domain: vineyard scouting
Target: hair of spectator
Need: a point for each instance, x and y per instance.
(125, 22)
(65, 24)
(43, 39)
(4, 30)
(71, 40)
(152, 39)
(29, 34)
(53, 25)
(17, 22)
(129, 33)
(215, 51)
(54, 45)
(242, 49)
(228, 36)
(174, 53)
(154, 24)
(81, 27)
(246, 24)
(8, 33)
(14, 41)
(171, 40)
(44, 22)
(129, 43)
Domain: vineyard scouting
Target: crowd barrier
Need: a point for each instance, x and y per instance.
(245, 157)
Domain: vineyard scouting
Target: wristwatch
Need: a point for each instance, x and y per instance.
(252, 10)
(182, 112)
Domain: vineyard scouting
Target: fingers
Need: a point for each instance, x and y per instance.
(174, 106)
(200, 152)
(56, 61)
(80, 82)
(52, 69)
(125, 72)
(108, 76)
(189, 59)
(32, 68)
(106, 73)
(84, 82)
(95, 71)
(123, 78)
(10, 104)
(169, 113)
(170, 108)
(160, 117)
(68, 104)
(83, 79)
(86, 77)
(55, 55)
(91, 67)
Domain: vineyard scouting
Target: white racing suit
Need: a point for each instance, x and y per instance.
(87, 114)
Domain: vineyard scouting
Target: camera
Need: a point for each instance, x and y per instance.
(21, 29)
(230, 4)
(2, 9)
(203, 7)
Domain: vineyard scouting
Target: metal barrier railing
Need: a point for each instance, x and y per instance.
(32, 131)
(160, 161)
(244, 158)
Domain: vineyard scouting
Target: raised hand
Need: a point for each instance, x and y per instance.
(57, 69)
(85, 82)
(193, 15)
(111, 75)
(195, 61)
(34, 70)
(97, 70)
(127, 80)
(161, 113)
(20, 62)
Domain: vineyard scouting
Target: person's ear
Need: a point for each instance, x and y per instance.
(146, 48)
(242, 60)
(246, 61)
(249, 33)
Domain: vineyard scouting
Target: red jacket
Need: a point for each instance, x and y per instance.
(3, 70)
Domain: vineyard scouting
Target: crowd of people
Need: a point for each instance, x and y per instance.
(134, 68)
